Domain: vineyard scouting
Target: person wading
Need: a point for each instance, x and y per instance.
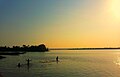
(28, 62)
(57, 58)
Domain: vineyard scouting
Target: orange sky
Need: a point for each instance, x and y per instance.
(58, 23)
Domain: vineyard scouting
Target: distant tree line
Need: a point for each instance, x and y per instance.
(39, 48)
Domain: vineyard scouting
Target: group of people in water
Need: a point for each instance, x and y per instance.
(28, 62)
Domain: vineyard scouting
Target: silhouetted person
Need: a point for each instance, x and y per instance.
(28, 67)
(57, 59)
(28, 62)
(19, 65)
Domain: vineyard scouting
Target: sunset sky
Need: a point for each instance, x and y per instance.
(60, 23)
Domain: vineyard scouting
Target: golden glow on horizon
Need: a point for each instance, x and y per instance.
(91, 25)
(85, 28)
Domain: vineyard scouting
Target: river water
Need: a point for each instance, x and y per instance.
(72, 63)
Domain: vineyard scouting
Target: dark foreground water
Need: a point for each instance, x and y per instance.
(73, 63)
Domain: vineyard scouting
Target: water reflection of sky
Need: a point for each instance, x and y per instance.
(72, 64)
(117, 62)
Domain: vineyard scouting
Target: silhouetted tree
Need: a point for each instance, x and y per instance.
(39, 48)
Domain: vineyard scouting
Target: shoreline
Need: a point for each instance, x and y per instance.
(83, 48)
(1, 57)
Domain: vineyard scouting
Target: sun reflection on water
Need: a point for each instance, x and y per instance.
(117, 62)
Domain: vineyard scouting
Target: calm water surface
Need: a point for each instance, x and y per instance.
(72, 63)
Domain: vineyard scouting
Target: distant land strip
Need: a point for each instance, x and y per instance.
(82, 48)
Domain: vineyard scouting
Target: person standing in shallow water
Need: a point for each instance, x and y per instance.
(57, 58)
(28, 61)
(19, 65)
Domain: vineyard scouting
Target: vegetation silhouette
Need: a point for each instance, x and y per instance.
(16, 50)
(39, 48)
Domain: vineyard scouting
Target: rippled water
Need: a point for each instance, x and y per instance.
(72, 63)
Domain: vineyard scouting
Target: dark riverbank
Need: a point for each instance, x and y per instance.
(11, 53)
(39, 48)
(1, 57)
